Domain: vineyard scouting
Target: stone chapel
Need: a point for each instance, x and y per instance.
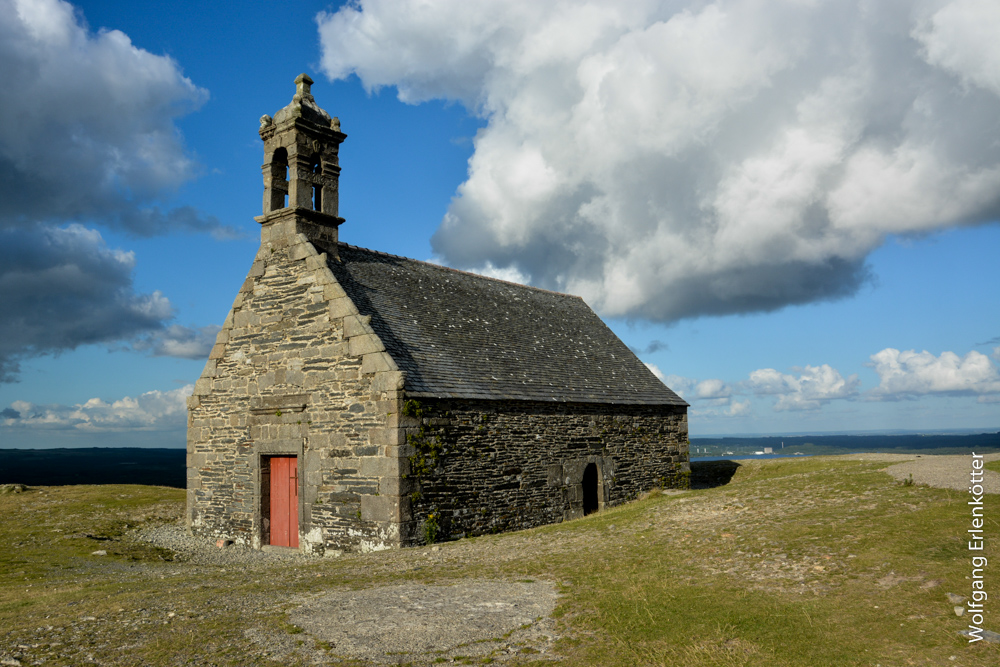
(356, 400)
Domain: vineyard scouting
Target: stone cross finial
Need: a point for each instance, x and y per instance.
(302, 84)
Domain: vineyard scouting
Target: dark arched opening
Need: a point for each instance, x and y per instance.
(317, 169)
(590, 489)
(279, 179)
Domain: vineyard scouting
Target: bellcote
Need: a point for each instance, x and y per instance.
(301, 167)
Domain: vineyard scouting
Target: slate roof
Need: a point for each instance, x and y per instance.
(462, 335)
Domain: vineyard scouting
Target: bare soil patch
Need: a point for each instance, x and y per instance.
(472, 618)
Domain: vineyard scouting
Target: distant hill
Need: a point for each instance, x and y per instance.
(93, 465)
(842, 444)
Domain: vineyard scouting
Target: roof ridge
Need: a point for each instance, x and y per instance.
(460, 271)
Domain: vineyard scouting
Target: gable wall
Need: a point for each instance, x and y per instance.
(492, 466)
(296, 371)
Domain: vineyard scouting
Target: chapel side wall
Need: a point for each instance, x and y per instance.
(495, 466)
(296, 372)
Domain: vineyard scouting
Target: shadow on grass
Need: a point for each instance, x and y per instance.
(710, 474)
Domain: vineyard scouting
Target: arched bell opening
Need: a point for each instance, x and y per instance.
(317, 183)
(279, 179)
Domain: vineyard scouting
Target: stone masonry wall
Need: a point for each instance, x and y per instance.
(482, 466)
(297, 371)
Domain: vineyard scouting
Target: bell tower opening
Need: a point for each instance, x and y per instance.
(317, 171)
(277, 192)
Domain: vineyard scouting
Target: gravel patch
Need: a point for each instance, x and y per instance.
(936, 470)
(203, 551)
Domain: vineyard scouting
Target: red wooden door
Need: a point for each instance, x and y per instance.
(284, 501)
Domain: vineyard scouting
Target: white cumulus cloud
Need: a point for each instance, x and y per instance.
(738, 409)
(712, 392)
(961, 37)
(809, 389)
(911, 373)
(674, 159)
(658, 373)
(713, 389)
(153, 410)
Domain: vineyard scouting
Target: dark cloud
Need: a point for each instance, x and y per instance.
(63, 287)
(87, 126)
(180, 341)
(654, 346)
(10, 413)
(87, 135)
(152, 221)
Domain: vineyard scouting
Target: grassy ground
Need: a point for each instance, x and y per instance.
(819, 561)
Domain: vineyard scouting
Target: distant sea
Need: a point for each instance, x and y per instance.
(166, 466)
(742, 457)
(734, 447)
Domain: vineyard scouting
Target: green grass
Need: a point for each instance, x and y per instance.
(993, 465)
(818, 561)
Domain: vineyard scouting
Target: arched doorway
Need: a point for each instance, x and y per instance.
(590, 503)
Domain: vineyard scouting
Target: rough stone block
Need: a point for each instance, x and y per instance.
(377, 362)
(301, 251)
(193, 402)
(244, 319)
(218, 351)
(365, 344)
(386, 436)
(400, 451)
(342, 307)
(333, 290)
(324, 277)
(378, 466)
(555, 472)
(203, 387)
(388, 381)
(315, 262)
(357, 325)
(380, 508)
(396, 486)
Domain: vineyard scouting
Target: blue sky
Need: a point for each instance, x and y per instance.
(789, 211)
